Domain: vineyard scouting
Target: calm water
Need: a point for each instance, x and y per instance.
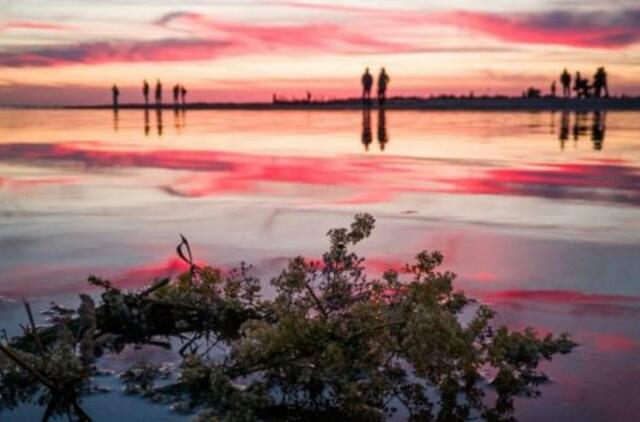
(538, 213)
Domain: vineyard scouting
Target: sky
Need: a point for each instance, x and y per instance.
(72, 51)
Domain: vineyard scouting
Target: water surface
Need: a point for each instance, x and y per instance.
(538, 213)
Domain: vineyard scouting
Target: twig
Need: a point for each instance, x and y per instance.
(34, 330)
(157, 285)
(318, 303)
(20, 363)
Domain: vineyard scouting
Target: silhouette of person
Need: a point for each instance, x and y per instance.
(383, 82)
(383, 137)
(158, 93)
(159, 120)
(367, 83)
(183, 95)
(565, 80)
(605, 82)
(367, 138)
(147, 126)
(598, 129)
(564, 128)
(145, 92)
(577, 84)
(115, 92)
(176, 95)
(600, 83)
(553, 89)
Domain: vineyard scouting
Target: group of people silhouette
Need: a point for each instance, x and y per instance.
(179, 94)
(582, 87)
(367, 84)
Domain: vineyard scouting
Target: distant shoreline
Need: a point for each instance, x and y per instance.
(402, 103)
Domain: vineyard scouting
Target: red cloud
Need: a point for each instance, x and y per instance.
(589, 30)
(212, 38)
(596, 29)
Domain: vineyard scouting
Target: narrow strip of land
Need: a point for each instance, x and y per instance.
(410, 103)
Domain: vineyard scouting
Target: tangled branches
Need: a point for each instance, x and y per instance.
(331, 343)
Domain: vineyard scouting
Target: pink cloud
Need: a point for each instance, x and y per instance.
(124, 51)
(580, 29)
(206, 38)
(42, 26)
(597, 29)
(29, 183)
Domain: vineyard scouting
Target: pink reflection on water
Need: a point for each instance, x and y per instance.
(369, 180)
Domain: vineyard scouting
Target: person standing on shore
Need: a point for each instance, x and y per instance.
(367, 83)
(605, 83)
(577, 84)
(383, 82)
(183, 95)
(158, 93)
(115, 94)
(553, 89)
(145, 92)
(176, 95)
(600, 83)
(565, 80)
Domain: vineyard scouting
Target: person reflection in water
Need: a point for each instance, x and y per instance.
(598, 127)
(367, 138)
(178, 119)
(579, 124)
(147, 125)
(564, 128)
(367, 83)
(159, 120)
(383, 138)
(116, 119)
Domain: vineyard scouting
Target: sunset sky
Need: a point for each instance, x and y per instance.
(70, 52)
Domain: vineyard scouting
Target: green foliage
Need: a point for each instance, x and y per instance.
(331, 343)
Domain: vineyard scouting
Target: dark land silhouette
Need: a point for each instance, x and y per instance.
(441, 102)
(588, 96)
